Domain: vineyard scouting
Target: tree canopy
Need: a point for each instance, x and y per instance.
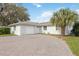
(12, 13)
(75, 30)
(64, 17)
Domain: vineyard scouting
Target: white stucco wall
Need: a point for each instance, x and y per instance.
(37, 29)
(15, 30)
(23, 29)
(51, 30)
(68, 30)
(12, 30)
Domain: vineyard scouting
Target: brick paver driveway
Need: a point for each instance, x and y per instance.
(44, 45)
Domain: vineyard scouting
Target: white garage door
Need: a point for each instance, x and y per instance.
(27, 30)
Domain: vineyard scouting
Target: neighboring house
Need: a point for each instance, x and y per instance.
(28, 27)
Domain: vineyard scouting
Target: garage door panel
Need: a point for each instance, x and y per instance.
(27, 30)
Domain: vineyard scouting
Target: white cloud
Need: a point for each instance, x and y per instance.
(44, 17)
(46, 14)
(37, 5)
(77, 11)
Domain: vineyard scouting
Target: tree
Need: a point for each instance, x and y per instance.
(63, 18)
(75, 30)
(11, 13)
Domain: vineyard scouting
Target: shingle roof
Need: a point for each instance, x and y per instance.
(45, 24)
(32, 24)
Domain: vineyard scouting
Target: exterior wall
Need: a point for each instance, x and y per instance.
(15, 30)
(37, 29)
(68, 30)
(51, 30)
(12, 30)
(21, 30)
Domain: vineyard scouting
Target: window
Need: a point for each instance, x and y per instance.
(45, 27)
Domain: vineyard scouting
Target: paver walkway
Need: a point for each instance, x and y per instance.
(33, 45)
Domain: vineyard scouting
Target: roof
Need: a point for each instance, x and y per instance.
(46, 24)
(32, 24)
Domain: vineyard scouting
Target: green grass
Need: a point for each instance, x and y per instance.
(73, 43)
(8, 35)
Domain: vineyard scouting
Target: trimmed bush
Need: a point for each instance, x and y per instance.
(4, 31)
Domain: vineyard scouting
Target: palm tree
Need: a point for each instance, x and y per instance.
(64, 17)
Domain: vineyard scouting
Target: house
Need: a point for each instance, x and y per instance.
(28, 27)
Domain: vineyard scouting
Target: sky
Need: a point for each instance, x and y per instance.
(42, 12)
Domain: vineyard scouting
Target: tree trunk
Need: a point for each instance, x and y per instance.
(63, 30)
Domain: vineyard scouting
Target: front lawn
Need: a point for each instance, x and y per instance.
(7, 35)
(73, 43)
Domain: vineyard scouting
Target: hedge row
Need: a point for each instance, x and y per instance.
(4, 31)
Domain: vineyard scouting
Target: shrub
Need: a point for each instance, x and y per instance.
(4, 30)
(75, 30)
